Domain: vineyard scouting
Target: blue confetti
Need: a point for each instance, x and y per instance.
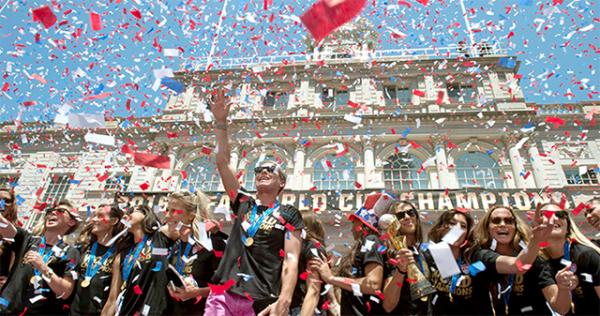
(406, 131)
(20, 200)
(490, 152)
(4, 302)
(158, 266)
(476, 267)
(73, 181)
(173, 84)
(506, 62)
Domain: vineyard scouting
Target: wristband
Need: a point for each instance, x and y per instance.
(400, 271)
(221, 126)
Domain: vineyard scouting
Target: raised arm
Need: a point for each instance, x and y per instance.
(220, 109)
(369, 284)
(559, 295)
(313, 291)
(7, 229)
(393, 285)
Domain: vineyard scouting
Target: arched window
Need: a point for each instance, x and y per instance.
(403, 172)
(478, 169)
(249, 183)
(202, 174)
(334, 173)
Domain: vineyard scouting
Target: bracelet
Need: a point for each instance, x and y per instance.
(48, 275)
(400, 271)
(221, 126)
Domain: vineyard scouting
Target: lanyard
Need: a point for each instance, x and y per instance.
(91, 269)
(131, 259)
(420, 261)
(42, 251)
(567, 251)
(254, 225)
(507, 291)
(179, 263)
(456, 276)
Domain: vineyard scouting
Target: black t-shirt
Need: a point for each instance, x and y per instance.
(256, 269)
(369, 252)
(471, 296)
(199, 264)
(525, 297)
(144, 290)
(91, 299)
(309, 249)
(5, 259)
(587, 261)
(18, 290)
(407, 305)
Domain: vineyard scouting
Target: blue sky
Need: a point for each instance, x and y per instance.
(99, 71)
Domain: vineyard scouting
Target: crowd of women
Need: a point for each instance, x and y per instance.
(134, 260)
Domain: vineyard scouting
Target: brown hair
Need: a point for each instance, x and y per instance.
(87, 238)
(313, 227)
(10, 213)
(344, 269)
(440, 228)
(481, 232)
(419, 229)
(41, 227)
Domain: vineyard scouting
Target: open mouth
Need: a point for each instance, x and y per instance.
(503, 233)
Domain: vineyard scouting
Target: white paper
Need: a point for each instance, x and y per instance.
(367, 246)
(86, 120)
(352, 119)
(356, 289)
(444, 259)
(453, 235)
(204, 239)
(171, 52)
(100, 139)
(160, 251)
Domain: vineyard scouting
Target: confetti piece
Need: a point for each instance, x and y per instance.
(137, 290)
(95, 21)
(149, 160)
(476, 267)
(322, 18)
(220, 289)
(157, 267)
(45, 15)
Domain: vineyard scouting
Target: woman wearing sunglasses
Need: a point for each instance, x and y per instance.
(397, 294)
(360, 273)
(467, 292)
(501, 232)
(139, 287)
(98, 265)
(193, 255)
(569, 248)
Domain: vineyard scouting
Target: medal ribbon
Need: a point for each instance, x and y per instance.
(456, 276)
(255, 225)
(131, 259)
(507, 291)
(179, 265)
(91, 270)
(567, 251)
(42, 251)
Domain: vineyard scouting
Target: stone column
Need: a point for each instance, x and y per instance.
(369, 165)
(299, 161)
(536, 161)
(441, 160)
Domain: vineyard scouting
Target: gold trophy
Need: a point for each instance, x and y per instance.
(420, 287)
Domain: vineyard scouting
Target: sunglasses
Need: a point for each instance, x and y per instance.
(7, 201)
(52, 210)
(561, 214)
(270, 169)
(500, 220)
(401, 214)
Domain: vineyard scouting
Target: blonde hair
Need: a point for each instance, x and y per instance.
(573, 232)
(197, 204)
(481, 232)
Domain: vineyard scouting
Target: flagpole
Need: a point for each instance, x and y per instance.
(216, 37)
(469, 30)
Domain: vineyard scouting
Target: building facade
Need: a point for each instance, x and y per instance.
(445, 127)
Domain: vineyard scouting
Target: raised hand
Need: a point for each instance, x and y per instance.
(219, 105)
(566, 279)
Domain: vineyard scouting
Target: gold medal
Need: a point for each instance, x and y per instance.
(85, 282)
(32, 280)
(249, 241)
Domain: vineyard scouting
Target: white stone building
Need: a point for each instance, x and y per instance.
(446, 127)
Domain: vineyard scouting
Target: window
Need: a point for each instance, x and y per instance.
(335, 98)
(202, 174)
(249, 183)
(476, 169)
(276, 100)
(397, 96)
(577, 177)
(333, 173)
(57, 188)
(462, 93)
(403, 172)
(118, 183)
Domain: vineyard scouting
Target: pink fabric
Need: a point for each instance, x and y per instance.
(228, 304)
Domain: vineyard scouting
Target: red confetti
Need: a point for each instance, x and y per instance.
(418, 93)
(357, 184)
(206, 150)
(136, 13)
(578, 209)
(5, 87)
(220, 289)
(144, 186)
(148, 160)
(303, 275)
(45, 15)
(137, 290)
(281, 253)
(95, 21)
(557, 121)
(290, 227)
(321, 19)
